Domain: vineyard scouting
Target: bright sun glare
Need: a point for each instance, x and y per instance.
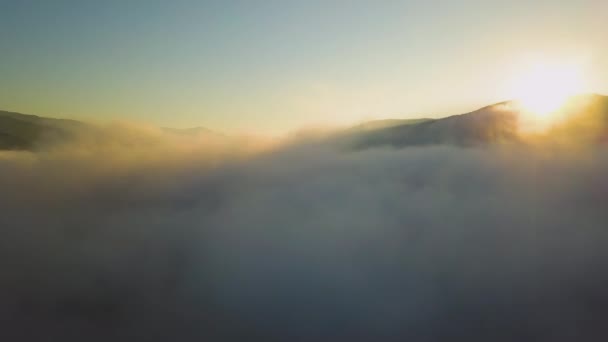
(545, 87)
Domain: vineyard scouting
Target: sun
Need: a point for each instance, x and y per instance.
(543, 88)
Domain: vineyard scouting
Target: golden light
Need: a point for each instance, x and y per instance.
(543, 88)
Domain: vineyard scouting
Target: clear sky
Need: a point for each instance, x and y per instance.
(266, 65)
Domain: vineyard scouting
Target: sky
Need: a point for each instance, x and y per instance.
(271, 66)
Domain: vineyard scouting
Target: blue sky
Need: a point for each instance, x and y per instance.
(276, 65)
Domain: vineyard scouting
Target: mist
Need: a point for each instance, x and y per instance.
(136, 234)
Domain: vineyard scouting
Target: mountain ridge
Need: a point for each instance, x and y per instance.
(586, 115)
(496, 123)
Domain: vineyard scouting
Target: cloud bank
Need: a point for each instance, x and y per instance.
(142, 236)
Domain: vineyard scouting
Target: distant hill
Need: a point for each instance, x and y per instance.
(386, 123)
(359, 134)
(483, 125)
(585, 118)
(193, 132)
(22, 131)
(27, 132)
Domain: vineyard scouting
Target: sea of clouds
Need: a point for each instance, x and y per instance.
(138, 235)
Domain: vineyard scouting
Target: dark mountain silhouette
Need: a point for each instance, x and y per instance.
(583, 117)
(23, 131)
(487, 124)
(27, 132)
(386, 123)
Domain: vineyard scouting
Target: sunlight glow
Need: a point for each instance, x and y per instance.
(545, 87)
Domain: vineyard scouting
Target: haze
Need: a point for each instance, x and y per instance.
(310, 171)
(274, 66)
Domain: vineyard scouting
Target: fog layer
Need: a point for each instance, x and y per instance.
(168, 238)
